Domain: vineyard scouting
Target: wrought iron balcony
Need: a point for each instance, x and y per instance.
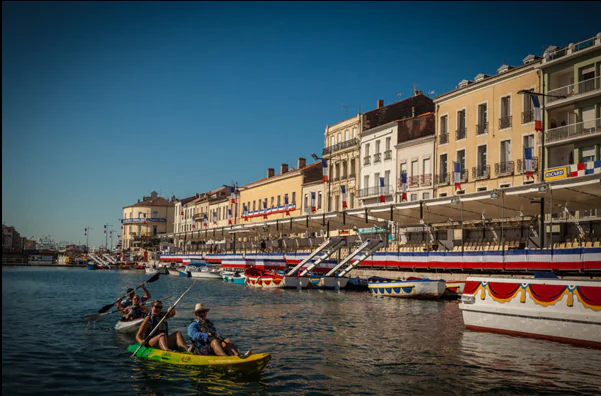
(481, 172)
(377, 157)
(521, 165)
(366, 160)
(527, 116)
(387, 155)
(413, 181)
(505, 122)
(460, 133)
(443, 179)
(482, 128)
(340, 146)
(579, 88)
(574, 130)
(373, 191)
(443, 138)
(425, 179)
(504, 168)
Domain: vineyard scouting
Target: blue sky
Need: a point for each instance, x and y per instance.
(104, 102)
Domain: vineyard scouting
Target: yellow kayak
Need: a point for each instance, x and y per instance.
(251, 364)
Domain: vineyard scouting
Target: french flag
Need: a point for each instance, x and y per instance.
(528, 166)
(229, 216)
(538, 120)
(343, 190)
(403, 186)
(215, 217)
(313, 208)
(205, 221)
(382, 198)
(457, 175)
(286, 205)
(265, 209)
(245, 213)
(233, 194)
(324, 164)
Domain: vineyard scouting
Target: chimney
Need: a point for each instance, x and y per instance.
(417, 92)
(302, 162)
(283, 168)
(270, 172)
(380, 103)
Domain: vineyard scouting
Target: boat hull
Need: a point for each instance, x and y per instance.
(420, 289)
(252, 364)
(128, 327)
(205, 275)
(265, 282)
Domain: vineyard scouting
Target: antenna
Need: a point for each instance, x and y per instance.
(346, 107)
(431, 93)
(414, 87)
(398, 96)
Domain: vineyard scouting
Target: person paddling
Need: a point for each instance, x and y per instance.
(205, 340)
(135, 310)
(161, 338)
(123, 303)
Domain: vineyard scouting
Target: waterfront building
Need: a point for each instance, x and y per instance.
(380, 128)
(341, 153)
(415, 158)
(484, 126)
(219, 205)
(148, 217)
(185, 210)
(572, 119)
(11, 239)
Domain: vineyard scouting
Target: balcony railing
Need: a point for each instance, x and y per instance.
(460, 133)
(377, 157)
(504, 168)
(482, 128)
(582, 87)
(521, 165)
(481, 172)
(443, 138)
(413, 181)
(340, 146)
(574, 130)
(443, 179)
(366, 160)
(425, 180)
(372, 191)
(527, 116)
(505, 122)
(387, 155)
(589, 42)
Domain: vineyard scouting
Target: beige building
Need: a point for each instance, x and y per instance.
(341, 151)
(148, 217)
(484, 125)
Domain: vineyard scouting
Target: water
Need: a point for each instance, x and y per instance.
(320, 342)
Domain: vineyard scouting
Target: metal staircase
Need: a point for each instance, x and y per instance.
(109, 258)
(99, 261)
(364, 250)
(323, 251)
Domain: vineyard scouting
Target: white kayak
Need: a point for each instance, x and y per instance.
(130, 326)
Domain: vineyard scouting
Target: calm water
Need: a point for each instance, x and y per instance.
(320, 342)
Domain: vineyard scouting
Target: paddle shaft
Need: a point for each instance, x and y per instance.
(108, 306)
(95, 317)
(163, 319)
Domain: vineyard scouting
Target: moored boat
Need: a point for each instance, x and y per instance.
(238, 278)
(422, 288)
(251, 364)
(266, 279)
(202, 270)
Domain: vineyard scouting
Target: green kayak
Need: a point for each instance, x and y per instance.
(251, 364)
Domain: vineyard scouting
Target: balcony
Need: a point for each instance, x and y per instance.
(425, 179)
(504, 168)
(443, 179)
(377, 157)
(366, 160)
(443, 138)
(579, 129)
(373, 191)
(574, 90)
(505, 122)
(460, 133)
(527, 116)
(521, 165)
(560, 53)
(340, 146)
(482, 128)
(413, 181)
(480, 172)
(387, 155)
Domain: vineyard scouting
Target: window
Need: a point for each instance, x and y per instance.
(354, 132)
(366, 181)
(528, 114)
(505, 120)
(481, 157)
(332, 141)
(387, 178)
(506, 185)
(306, 200)
(482, 119)
(388, 141)
(338, 170)
(352, 167)
(443, 163)
(442, 195)
(279, 200)
(377, 146)
(367, 149)
(461, 159)
(286, 198)
(414, 168)
(444, 125)
(413, 197)
(588, 154)
(339, 137)
(482, 188)
(346, 134)
(461, 121)
(505, 151)
(403, 168)
(319, 198)
(352, 201)
(528, 141)
(426, 169)
(426, 195)
(272, 201)
(377, 179)
(294, 197)
(344, 169)
(254, 205)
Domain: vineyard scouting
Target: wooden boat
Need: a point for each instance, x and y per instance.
(553, 309)
(422, 288)
(266, 279)
(251, 364)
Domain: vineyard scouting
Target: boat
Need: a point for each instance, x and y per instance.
(151, 270)
(422, 288)
(227, 275)
(251, 364)
(546, 308)
(129, 326)
(173, 271)
(256, 277)
(202, 270)
(92, 267)
(238, 278)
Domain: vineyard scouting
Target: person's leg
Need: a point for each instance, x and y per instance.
(230, 347)
(159, 341)
(217, 348)
(176, 340)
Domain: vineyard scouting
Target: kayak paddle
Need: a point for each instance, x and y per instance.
(163, 319)
(96, 316)
(154, 278)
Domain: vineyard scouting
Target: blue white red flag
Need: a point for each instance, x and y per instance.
(205, 220)
(403, 186)
(343, 190)
(229, 216)
(457, 175)
(265, 209)
(245, 213)
(233, 194)
(538, 120)
(528, 165)
(382, 198)
(215, 217)
(287, 208)
(313, 207)
(324, 165)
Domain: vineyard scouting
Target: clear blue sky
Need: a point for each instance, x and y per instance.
(104, 102)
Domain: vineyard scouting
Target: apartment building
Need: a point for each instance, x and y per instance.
(485, 125)
(148, 217)
(341, 153)
(571, 76)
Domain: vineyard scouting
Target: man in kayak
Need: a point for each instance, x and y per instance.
(135, 310)
(205, 340)
(161, 337)
(123, 303)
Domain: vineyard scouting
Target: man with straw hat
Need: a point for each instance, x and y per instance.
(205, 340)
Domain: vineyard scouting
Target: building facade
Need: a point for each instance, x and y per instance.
(341, 151)
(485, 125)
(148, 217)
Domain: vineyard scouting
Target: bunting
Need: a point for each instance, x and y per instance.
(245, 213)
(286, 207)
(205, 221)
(265, 209)
(215, 217)
(233, 194)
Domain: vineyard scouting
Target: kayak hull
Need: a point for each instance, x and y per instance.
(252, 364)
(129, 327)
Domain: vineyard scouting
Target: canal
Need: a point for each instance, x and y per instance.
(321, 342)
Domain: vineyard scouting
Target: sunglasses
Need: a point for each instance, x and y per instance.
(157, 306)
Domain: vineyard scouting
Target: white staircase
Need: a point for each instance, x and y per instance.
(99, 261)
(109, 258)
(364, 250)
(323, 251)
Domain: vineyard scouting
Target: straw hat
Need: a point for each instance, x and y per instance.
(201, 307)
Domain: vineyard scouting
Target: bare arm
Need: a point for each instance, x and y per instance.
(146, 293)
(141, 331)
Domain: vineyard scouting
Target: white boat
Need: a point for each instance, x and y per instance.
(151, 271)
(227, 275)
(130, 326)
(421, 288)
(173, 271)
(204, 272)
(552, 309)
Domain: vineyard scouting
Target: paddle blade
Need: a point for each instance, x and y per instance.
(92, 317)
(154, 278)
(105, 308)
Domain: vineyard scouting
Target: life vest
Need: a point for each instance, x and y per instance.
(153, 322)
(206, 326)
(135, 312)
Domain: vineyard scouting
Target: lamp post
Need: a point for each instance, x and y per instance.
(542, 154)
(316, 158)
